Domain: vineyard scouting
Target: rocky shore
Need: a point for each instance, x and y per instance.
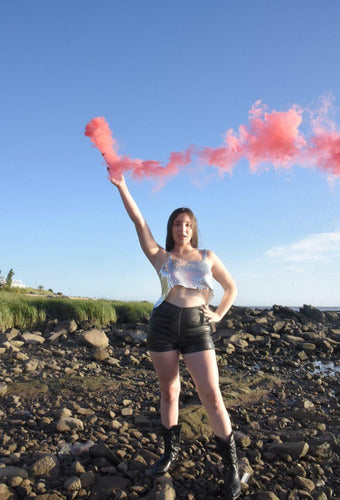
(79, 411)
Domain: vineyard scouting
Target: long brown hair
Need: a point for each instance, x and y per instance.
(169, 244)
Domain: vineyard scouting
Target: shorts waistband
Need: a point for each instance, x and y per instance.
(174, 308)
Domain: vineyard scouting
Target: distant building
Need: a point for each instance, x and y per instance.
(16, 283)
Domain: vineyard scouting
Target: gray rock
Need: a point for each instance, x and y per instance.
(3, 389)
(46, 466)
(55, 336)
(304, 483)
(87, 479)
(69, 325)
(6, 493)
(293, 339)
(12, 471)
(326, 346)
(112, 361)
(138, 463)
(106, 486)
(278, 325)
(33, 338)
(100, 354)
(100, 450)
(94, 338)
(9, 335)
(302, 356)
(295, 450)
(31, 365)
(308, 346)
(126, 412)
(72, 484)
(64, 412)
(20, 356)
(313, 313)
(67, 424)
(143, 421)
(51, 496)
(266, 495)
(164, 489)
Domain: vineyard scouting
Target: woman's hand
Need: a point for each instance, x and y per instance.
(117, 181)
(213, 317)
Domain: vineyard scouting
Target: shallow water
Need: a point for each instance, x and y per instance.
(326, 366)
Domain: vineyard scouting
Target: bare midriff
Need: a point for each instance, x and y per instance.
(187, 297)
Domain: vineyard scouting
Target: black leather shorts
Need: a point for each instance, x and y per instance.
(178, 328)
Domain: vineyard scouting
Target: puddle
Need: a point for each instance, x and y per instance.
(326, 367)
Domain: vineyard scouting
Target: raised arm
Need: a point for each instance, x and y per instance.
(152, 250)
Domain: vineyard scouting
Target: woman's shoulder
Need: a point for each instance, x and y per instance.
(210, 256)
(207, 253)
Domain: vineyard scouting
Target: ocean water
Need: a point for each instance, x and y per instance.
(296, 308)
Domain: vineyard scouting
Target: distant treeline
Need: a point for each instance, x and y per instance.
(25, 311)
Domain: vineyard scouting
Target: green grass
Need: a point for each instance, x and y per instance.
(133, 312)
(30, 311)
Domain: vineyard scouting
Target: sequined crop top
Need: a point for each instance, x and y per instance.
(194, 274)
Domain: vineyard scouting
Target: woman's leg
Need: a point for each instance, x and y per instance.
(203, 369)
(167, 370)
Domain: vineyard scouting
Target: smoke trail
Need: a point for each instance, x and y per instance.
(100, 134)
(270, 138)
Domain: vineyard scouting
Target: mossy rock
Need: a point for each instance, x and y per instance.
(194, 422)
(30, 389)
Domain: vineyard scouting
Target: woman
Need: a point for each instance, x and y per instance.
(180, 322)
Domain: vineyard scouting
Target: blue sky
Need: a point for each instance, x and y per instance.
(164, 74)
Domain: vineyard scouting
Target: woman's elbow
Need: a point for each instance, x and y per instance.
(233, 290)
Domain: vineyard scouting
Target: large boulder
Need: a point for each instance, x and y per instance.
(313, 313)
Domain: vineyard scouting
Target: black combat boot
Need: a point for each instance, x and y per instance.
(232, 483)
(172, 439)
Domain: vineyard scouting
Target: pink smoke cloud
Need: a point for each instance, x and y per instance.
(270, 138)
(324, 146)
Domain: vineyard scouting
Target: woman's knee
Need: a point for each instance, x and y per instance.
(170, 392)
(212, 398)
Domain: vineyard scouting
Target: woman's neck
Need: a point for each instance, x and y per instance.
(182, 249)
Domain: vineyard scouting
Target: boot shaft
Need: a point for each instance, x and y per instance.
(172, 438)
(227, 449)
(232, 483)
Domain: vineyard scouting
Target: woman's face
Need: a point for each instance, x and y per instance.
(182, 229)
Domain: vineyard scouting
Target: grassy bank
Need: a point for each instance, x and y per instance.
(29, 311)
